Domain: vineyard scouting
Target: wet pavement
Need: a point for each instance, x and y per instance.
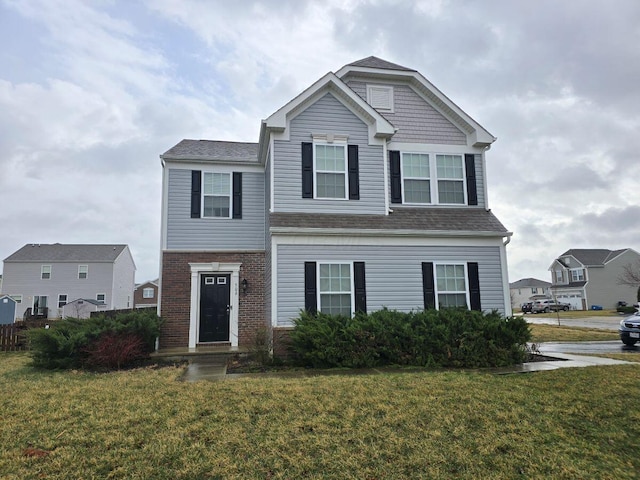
(606, 323)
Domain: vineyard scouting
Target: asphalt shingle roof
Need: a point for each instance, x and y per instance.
(375, 62)
(592, 256)
(529, 282)
(54, 253)
(213, 150)
(427, 219)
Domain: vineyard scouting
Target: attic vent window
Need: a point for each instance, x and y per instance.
(380, 97)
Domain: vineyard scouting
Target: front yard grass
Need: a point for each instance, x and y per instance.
(566, 423)
(557, 333)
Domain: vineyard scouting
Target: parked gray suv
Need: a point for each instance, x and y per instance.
(546, 306)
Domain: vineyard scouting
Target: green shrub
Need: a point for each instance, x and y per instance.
(446, 337)
(74, 343)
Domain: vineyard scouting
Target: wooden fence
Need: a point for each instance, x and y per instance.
(13, 338)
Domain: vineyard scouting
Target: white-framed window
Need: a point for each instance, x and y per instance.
(534, 290)
(416, 178)
(39, 304)
(330, 170)
(100, 297)
(17, 298)
(62, 300)
(451, 285)
(45, 272)
(216, 195)
(147, 292)
(559, 276)
(451, 178)
(335, 295)
(83, 271)
(577, 275)
(380, 97)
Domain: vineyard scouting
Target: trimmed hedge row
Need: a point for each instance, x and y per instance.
(448, 337)
(98, 342)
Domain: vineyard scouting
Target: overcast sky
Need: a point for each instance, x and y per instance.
(91, 93)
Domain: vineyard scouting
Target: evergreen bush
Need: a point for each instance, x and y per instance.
(448, 337)
(100, 341)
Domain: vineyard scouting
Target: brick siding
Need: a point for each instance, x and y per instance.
(176, 295)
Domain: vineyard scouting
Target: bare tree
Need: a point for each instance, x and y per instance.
(631, 276)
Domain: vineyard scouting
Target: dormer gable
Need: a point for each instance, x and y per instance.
(378, 73)
(279, 121)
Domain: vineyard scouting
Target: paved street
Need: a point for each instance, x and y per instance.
(606, 323)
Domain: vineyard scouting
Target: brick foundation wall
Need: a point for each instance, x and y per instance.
(176, 294)
(281, 342)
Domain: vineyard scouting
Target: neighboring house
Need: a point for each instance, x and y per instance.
(367, 190)
(588, 277)
(82, 308)
(528, 289)
(0, 283)
(146, 295)
(43, 278)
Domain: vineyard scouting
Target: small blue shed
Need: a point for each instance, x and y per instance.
(7, 310)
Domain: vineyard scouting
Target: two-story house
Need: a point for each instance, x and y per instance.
(528, 289)
(585, 277)
(43, 278)
(145, 295)
(367, 190)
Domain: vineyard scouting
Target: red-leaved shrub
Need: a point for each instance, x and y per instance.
(114, 350)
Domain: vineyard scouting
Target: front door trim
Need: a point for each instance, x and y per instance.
(197, 269)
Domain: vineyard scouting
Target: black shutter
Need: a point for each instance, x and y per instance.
(310, 294)
(396, 179)
(354, 174)
(307, 170)
(474, 285)
(237, 195)
(428, 286)
(196, 189)
(360, 287)
(472, 187)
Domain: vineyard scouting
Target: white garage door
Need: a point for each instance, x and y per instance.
(574, 300)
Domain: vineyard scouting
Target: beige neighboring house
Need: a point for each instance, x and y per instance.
(527, 290)
(588, 277)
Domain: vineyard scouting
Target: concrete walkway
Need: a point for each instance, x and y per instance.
(215, 368)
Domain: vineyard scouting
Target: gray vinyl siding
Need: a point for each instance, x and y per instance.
(24, 279)
(602, 286)
(184, 232)
(393, 274)
(327, 115)
(124, 283)
(416, 120)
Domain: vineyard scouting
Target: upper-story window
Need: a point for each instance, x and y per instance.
(559, 276)
(45, 272)
(330, 170)
(380, 97)
(416, 178)
(419, 185)
(83, 271)
(450, 174)
(147, 293)
(577, 275)
(216, 194)
(534, 290)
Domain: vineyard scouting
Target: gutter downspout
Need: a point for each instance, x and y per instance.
(508, 310)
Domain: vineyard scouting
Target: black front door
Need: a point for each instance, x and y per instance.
(214, 308)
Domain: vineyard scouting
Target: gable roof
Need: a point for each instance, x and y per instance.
(529, 282)
(592, 257)
(375, 62)
(206, 150)
(35, 252)
(372, 67)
